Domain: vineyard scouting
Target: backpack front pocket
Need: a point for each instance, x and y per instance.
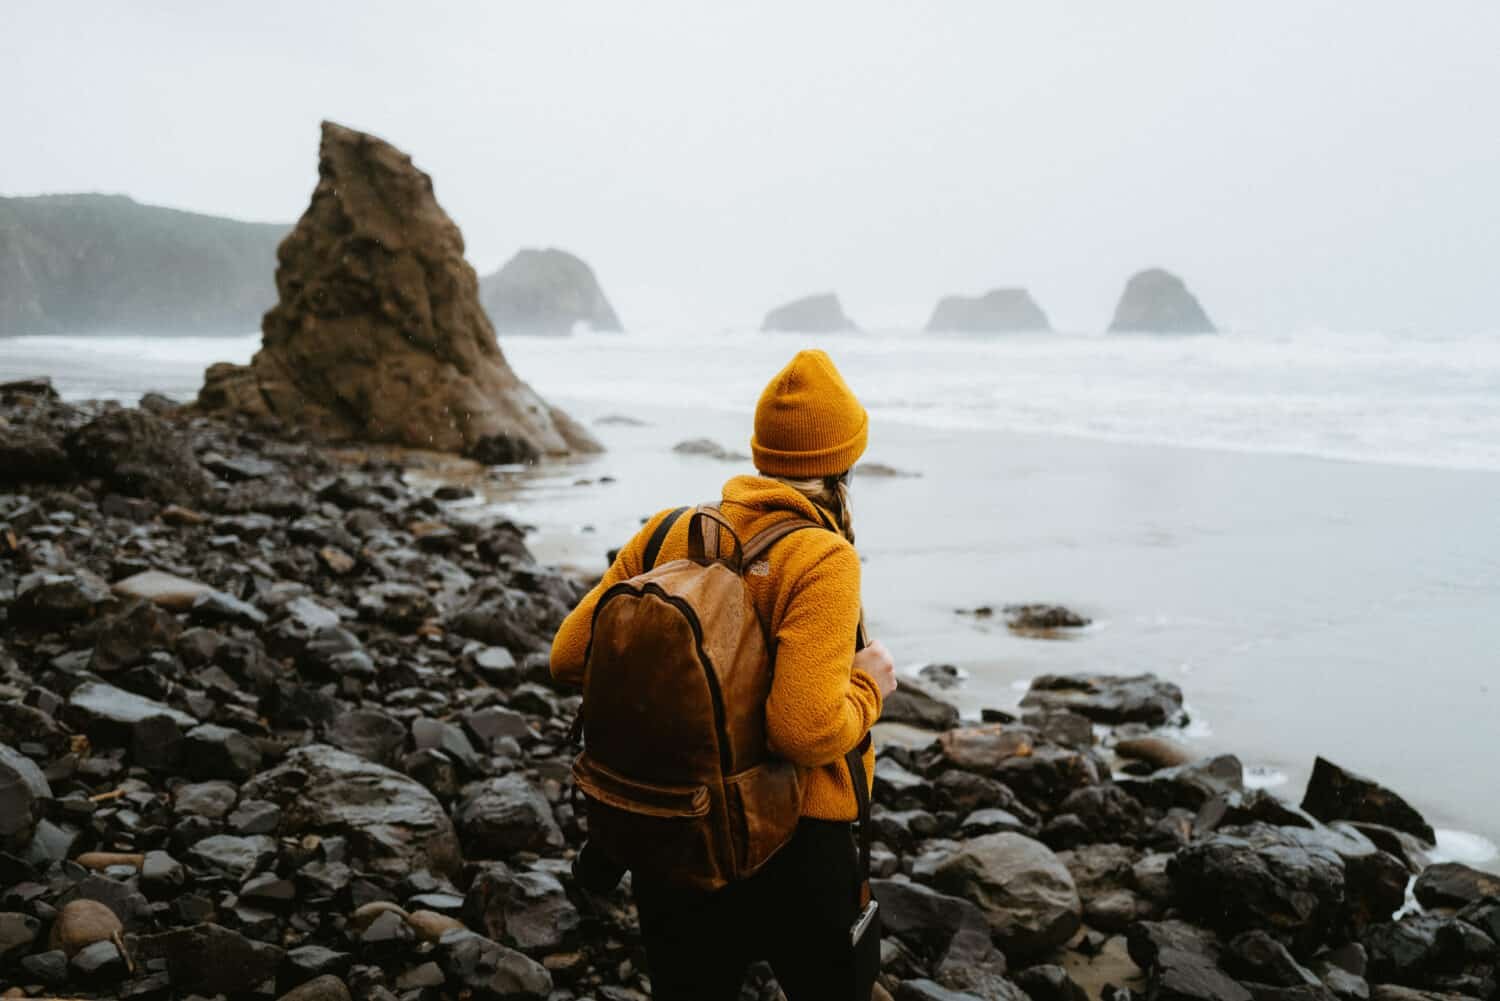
(765, 804)
(660, 831)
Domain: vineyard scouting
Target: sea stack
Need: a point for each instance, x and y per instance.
(999, 311)
(815, 314)
(545, 292)
(379, 335)
(1157, 302)
(78, 264)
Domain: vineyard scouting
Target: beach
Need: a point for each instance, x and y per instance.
(1308, 605)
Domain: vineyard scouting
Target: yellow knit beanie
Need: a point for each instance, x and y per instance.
(808, 422)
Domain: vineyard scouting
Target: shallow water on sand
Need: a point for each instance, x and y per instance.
(1306, 605)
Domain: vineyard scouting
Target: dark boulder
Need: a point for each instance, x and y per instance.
(488, 971)
(529, 911)
(1112, 699)
(1335, 793)
(209, 959)
(140, 455)
(24, 794)
(913, 703)
(504, 815)
(1453, 884)
(1025, 893)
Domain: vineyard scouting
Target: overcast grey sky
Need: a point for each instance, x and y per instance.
(1302, 163)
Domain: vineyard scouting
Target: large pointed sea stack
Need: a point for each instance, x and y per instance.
(546, 292)
(378, 335)
(999, 311)
(1157, 302)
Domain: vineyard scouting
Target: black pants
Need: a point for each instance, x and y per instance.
(795, 913)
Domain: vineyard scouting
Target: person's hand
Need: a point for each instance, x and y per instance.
(875, 660)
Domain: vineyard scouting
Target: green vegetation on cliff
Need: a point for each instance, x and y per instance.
(92, 263)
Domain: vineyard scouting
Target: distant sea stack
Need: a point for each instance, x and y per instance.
(545, 292)
(815, 314)
(75, 264)
(1000, 311)
(1157, 302)
(378, 335)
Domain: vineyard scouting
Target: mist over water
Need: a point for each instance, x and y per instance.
(1407, 399)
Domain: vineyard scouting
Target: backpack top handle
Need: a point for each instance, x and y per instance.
(704, 527)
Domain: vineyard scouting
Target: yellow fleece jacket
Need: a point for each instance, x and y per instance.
(819, 707)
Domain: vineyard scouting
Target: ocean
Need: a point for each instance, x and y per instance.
(1301, 530)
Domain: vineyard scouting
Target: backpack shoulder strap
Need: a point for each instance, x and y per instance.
(653, 545)
(761, 542)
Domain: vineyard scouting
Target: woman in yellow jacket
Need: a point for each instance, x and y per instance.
(795, 912)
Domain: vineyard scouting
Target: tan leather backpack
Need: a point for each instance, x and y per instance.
(679, 783)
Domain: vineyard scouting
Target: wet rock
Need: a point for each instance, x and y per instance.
(495, 723)
(1335, 793)
(140, 455)
(1025, 893)
(1105, 811)
(1189, 786)
(397, 605)
(941, 676)
(369, 733)
(235, 857)
(324, 988)
(217, 752)
(130, 636)
(1393, 992)
(50, 968)
(491, 971)
(1157, 752)
(308, 963)
(432, 734)
(213, 800)
(1113, 699)
(504, 815)
(17, 933)
(254, 816)
(113, 717)
(1453, 884)
(1255, 955)
(99, 963)
(49, 598)
(29, 455)
(209, 958)
(1047, 982)
(510, 618)
(1181, 962)
(912, 703)
(1043, 618)
(390, 821)
(218, 608)
(526, 910)
(375, 269)
(24, 793)
(81, 923)
(948, 935)
(161, 874)
(1262, 880)
(164, 589)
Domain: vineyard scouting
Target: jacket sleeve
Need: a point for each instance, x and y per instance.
(820, 708)
(571, 643)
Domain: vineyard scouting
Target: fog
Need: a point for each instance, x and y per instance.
(1301, 164)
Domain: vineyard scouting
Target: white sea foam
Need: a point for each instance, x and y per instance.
(1405, 399)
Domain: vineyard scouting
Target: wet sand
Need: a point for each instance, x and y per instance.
(1306, 606)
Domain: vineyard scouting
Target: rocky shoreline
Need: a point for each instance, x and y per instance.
(278, 725)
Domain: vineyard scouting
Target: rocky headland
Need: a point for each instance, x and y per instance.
(276, 724)
(546, 292)
(378, 334)
(75, 264)
(814, 314)
(1158, 302)
(999, 311)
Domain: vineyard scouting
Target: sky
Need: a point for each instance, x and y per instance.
(1302, 164)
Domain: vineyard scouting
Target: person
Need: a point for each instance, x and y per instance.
(796, 911)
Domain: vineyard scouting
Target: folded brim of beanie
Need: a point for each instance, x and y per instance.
(824, 462)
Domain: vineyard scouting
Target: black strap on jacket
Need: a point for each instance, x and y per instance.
(855, 761)
(653, 545)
